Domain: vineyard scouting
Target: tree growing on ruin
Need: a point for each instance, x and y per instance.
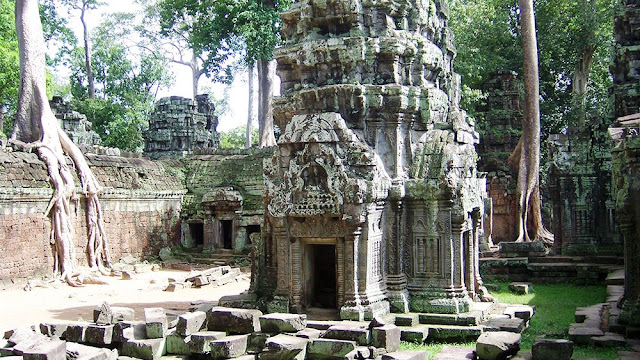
(37, 128)
(526, 156)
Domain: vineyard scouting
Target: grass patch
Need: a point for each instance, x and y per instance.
(432, 349)
(555, 308)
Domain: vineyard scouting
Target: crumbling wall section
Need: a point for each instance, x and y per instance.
(178, 126)
(141, 202)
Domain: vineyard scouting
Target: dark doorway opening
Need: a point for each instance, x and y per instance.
(321, 281)
(227, 233)
(196, 230)
(252, 229)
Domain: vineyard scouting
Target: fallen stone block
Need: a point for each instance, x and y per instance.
(321, 324)
(229, 347)
(147, 349)
(387, 337)
(582, 334)
(234, 321)
(156, 320)
(309, 333)
(27, 343)
(200, 342)
(358, 333)
(201, 280)
(514, 325)
(84, 352)
(129, 330)
(56, 330)
(405, 355)
(557, 349)
(526, 355)
(329, 348)
(257, 342)
(177, 344)
(47, 350)
(520, 288)
(454, 333)
(455, 353)
(285, 347)
(190, 323)
(99, 335)
(20, 334)
(361, 352)
(176, 286)
(116, 314)
(76, 332)
(277, 323)
(497, 345)
(609, 339)
(415, 334)
(523, 312)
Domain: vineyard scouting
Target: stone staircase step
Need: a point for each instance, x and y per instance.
(514, 325)
(609, 339)
(454, 333)
(410, 319)
(468, 318)
(615, 277)
(583, 335)
(414, 334)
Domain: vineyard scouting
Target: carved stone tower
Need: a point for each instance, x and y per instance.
(373, 199)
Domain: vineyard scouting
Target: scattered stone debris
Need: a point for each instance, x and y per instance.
(216, 276)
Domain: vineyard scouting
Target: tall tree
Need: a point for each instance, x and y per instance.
(250, 108)
(36, 127)
(83, 6)
(527, 153)
(224, 28)
(174, 41)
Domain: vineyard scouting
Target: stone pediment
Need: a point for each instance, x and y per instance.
(222, 196)
(322, 166)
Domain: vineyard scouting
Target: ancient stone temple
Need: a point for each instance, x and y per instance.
(373, 200)
(626, 153)
(179, 125)
(74, 124)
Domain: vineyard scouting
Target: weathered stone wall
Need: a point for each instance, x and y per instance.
(74, 124)
(178, 126)
(224, 185)
(580, 186)
(500, 132)
(141, 202)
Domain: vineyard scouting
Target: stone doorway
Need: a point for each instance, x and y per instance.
(226, 234)
(320, 276)
(196, 231)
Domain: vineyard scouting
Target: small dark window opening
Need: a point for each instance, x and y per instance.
(252, 229)
(227, 232)
(197, 233)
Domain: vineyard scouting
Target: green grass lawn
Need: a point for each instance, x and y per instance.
(555, 308)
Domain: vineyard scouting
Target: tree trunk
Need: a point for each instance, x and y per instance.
(529, 211)
(580, 81)
(250, 108)
(37, 127)
(266, 72)
(87, 53)
(196, 73)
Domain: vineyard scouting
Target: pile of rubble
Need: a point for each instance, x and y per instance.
(218, 333)
(216, 276)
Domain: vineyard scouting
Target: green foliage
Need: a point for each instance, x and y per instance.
(127, 73)
(236, 138)
(223, 29)
(488, 39)
(9, 61)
